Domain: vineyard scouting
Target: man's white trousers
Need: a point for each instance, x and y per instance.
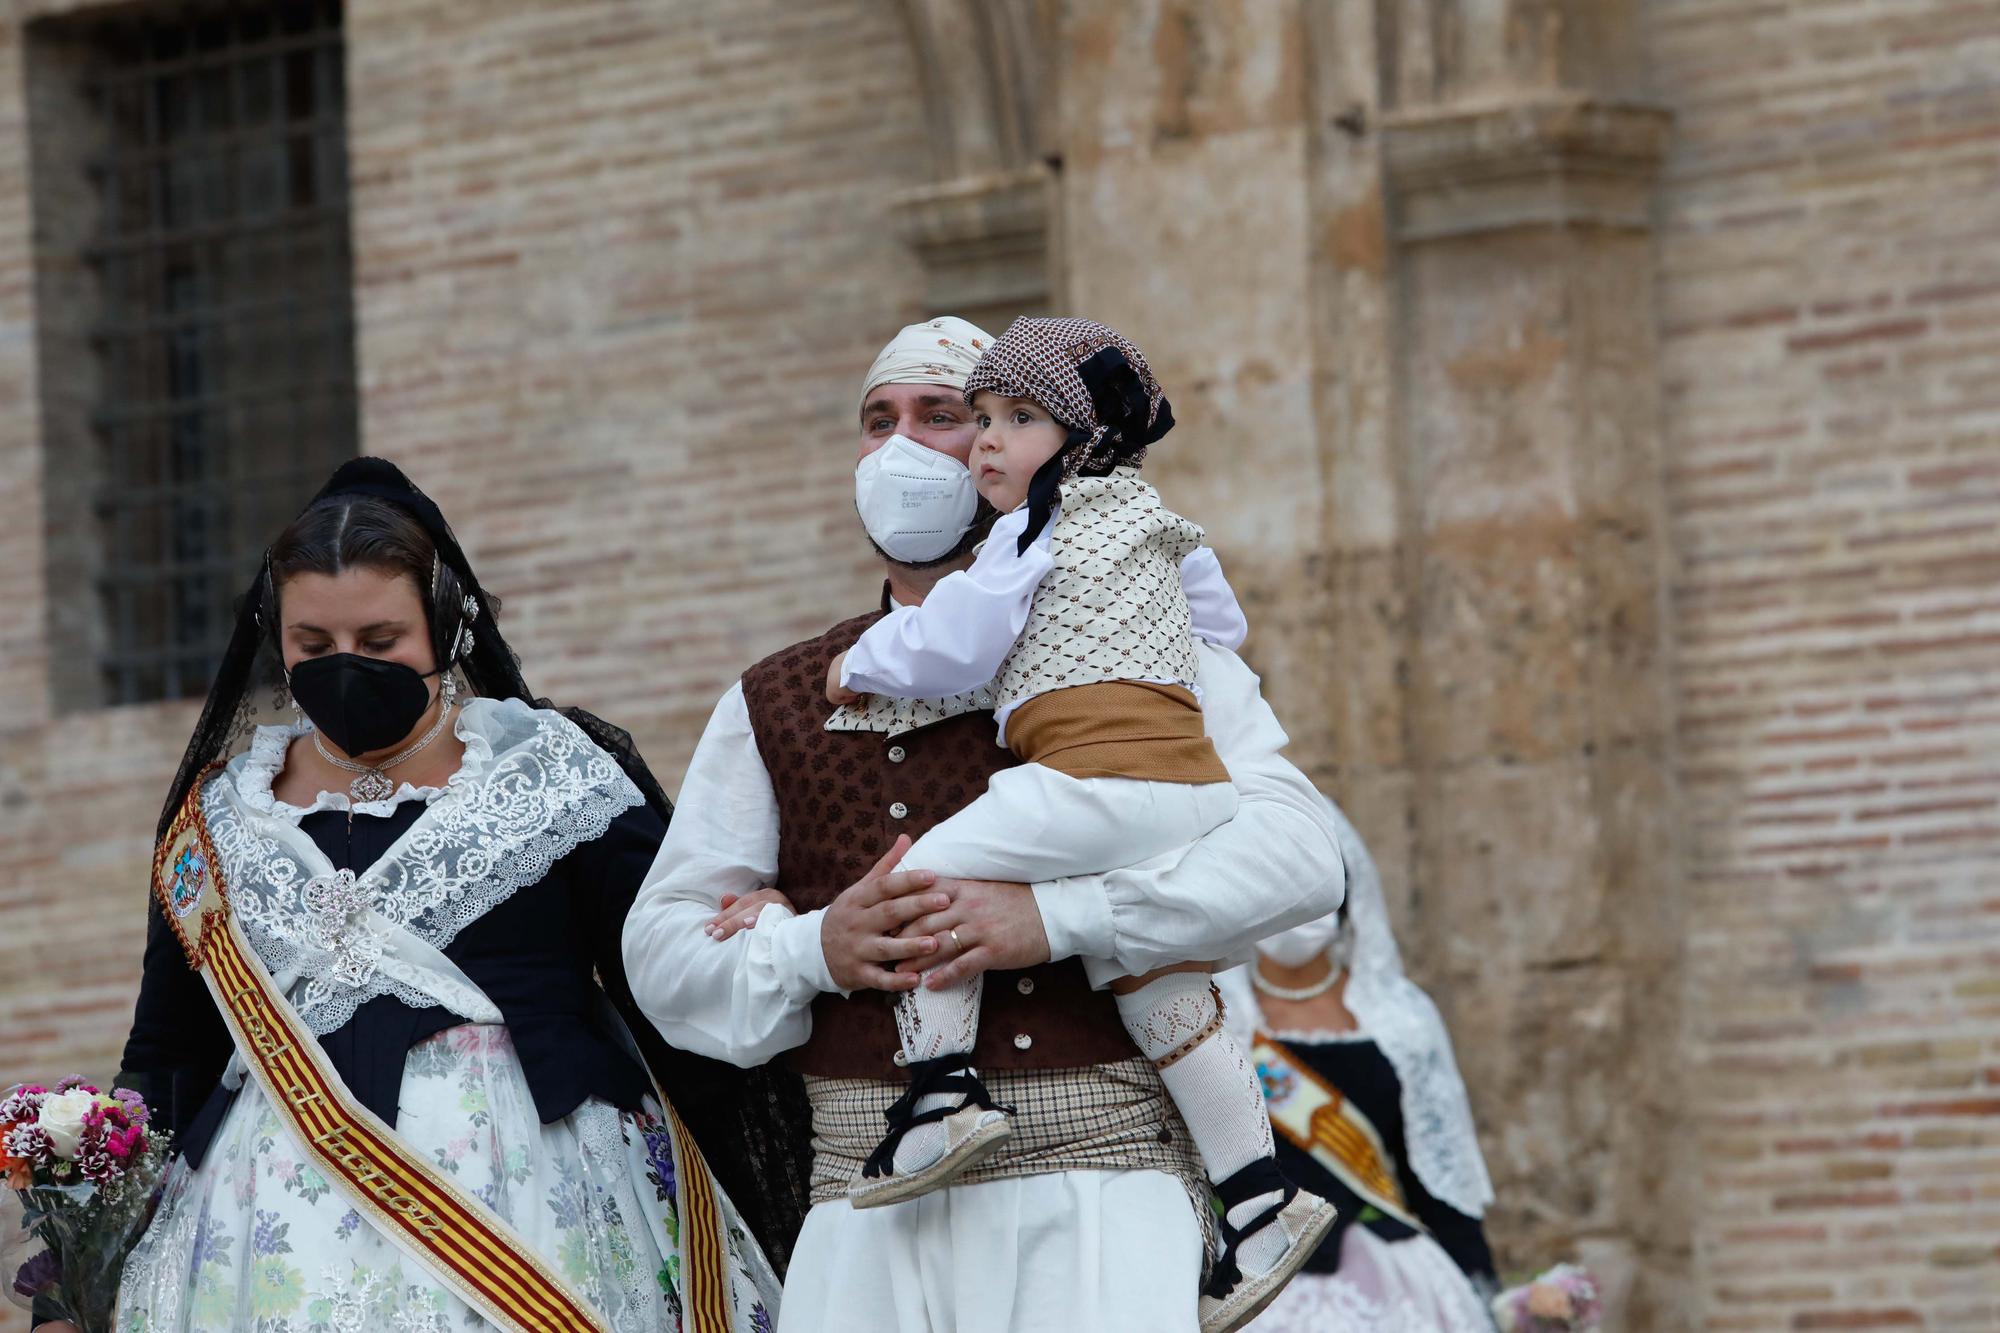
(1106, 1251)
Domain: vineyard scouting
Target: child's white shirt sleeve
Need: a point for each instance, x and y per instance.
(956, 640)
(1218, 617)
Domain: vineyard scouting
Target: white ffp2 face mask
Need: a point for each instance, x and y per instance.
(1301, 944)
(915, 502)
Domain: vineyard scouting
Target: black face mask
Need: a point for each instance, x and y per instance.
(361, 704)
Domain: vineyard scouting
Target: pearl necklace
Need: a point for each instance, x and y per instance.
(374, 782)
(1296, 994)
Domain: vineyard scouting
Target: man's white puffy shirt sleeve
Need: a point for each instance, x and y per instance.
(1218, 616)
(1274, 866)
(958, 638)
(749, 998)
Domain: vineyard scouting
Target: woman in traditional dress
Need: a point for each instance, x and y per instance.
(1371, 1113)
(370, 1009)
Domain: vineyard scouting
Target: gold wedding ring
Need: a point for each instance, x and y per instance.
(956, 945)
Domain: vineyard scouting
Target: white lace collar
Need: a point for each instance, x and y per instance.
(265, 760)
(540, 789)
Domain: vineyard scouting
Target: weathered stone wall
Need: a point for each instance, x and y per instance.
(1613, 501)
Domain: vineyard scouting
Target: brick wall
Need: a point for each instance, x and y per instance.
(1830, 310)
(618, 271)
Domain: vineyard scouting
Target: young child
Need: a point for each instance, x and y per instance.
(1076, 612)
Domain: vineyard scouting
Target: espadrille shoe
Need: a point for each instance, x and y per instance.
(1239, 1297)
(973, 1131)
(972, 1134)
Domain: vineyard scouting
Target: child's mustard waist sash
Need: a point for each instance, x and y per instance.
(1117, 729)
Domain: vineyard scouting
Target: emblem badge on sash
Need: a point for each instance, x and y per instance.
(1279, 1082)
(190, 876)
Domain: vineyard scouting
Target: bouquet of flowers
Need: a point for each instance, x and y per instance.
(1563, 1300)
(86, 1170)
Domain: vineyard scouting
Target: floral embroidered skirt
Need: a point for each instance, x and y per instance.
(258, 1239)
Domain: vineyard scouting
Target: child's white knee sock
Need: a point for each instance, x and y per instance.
(934, 1023)
(1177, 1022)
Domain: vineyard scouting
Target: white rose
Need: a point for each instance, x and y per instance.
(62, 1119)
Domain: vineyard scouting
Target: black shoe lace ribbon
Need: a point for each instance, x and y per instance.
(945, 1074)
(1260, 1177)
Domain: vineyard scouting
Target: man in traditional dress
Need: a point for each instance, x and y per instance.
(1094, 1214)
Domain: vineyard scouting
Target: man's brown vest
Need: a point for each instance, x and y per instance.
(843, 796)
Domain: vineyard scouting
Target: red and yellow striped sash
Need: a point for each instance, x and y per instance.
(704, 1274)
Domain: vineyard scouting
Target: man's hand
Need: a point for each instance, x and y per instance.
(836, 693)
(740, 912)
(859, 933)
(999, 930)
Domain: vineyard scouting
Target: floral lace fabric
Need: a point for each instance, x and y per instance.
(257, 1239)
(532, 789)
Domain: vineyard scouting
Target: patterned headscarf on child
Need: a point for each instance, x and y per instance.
(1093, 381)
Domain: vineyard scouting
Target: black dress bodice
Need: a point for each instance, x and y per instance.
(537, 955)
(1364, 1076)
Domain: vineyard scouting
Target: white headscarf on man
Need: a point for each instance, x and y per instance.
(1403, 1022)
(938, 351)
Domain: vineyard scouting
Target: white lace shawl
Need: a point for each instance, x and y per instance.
(1402, 1020)
(532, 788)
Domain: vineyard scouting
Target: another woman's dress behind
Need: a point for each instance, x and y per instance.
(1377, 1120)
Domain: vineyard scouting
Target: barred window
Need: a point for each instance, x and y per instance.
(195, 281)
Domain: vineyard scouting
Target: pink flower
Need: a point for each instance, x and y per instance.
(118, 1146)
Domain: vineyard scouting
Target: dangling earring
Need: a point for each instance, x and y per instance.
(448, 687)
(285, 700)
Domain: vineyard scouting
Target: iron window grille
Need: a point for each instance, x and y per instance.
(224, 340)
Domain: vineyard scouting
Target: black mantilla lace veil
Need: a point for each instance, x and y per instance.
(753, 1126)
